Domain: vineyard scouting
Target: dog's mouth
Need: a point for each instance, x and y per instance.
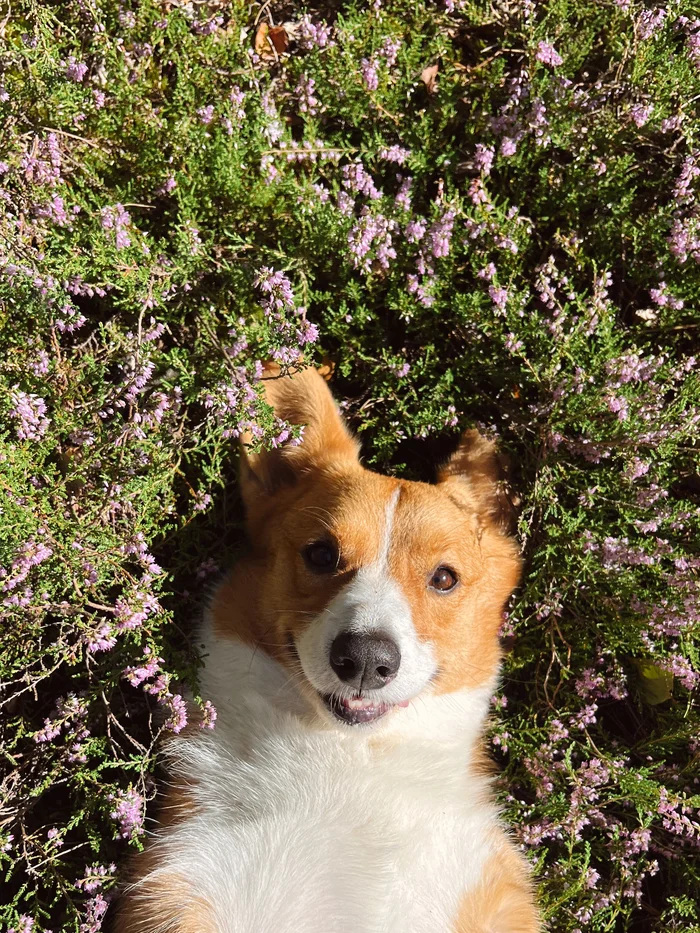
(358, 709)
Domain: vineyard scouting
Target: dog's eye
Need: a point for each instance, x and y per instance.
(321, 556)
(443, 580)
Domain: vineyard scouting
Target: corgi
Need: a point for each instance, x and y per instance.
(351, 656)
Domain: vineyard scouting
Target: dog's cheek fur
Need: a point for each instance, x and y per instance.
(461, 626)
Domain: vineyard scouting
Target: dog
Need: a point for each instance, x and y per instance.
(352, 656)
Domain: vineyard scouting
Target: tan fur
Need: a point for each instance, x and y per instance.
(167, 903)
(503, 901)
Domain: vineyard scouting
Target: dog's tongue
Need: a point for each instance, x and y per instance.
(366, 703)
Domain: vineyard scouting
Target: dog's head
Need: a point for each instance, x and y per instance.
(373, 590)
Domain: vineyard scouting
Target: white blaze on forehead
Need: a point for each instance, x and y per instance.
(373, 602)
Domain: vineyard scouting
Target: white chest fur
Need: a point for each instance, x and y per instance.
(326, 829)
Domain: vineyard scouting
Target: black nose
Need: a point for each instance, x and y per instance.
(365, 661)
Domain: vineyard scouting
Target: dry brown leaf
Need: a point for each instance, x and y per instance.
(270, 42)
(429, 78)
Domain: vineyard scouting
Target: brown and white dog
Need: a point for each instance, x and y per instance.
(351, 656)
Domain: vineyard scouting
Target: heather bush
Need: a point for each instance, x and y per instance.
(483, 213)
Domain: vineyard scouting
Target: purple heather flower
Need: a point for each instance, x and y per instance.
(478, 195)
(619, 405)
(663, 298)
(305, 95)
(207, 27)
(548, 55)
(128, 812)
(40, 366)
(54, 210)
(202, 501)
(488, 272)
(681, 668)
(133, 613)
(371, 232)
(177, 708)
(483, 158)
(137, 675)
(693, 46)
(649, 22)
(499, 296)
(690, 170)
(419, 289)
(513, 345)
(357, 180)
(636, 469)
(403, 195)
(508, 146)
(101, 639)
(670, 124)
(237, 98)
(70, 320)
(207, 568)
(49, 732)
(95, 909)
(276, 289)
(206, 114)
(439, 234)
(368, 67)
(394, 154)
(74, 70)
(95, 876)
(641, 113)
(415, 230)
(117, 218)
(390, 50)
(313, 35)
(30, 412)
(306, 333)
(346, 205)
(127, 19)
(168, 185)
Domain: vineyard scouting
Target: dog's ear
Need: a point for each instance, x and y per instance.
(301, 399)
(476, 475)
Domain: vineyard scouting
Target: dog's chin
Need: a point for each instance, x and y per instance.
(358, 710)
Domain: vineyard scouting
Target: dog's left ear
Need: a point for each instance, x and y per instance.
(476, 474)
(304, 399)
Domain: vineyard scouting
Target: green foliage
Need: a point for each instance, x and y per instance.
(538, 276)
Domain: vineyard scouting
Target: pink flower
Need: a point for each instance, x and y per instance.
(128, 812)
(29, 411)
(548, 55)
(75, 71)
(368, 67)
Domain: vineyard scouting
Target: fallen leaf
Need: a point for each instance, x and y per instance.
(271, 42)
(656, 684)
(429, 78)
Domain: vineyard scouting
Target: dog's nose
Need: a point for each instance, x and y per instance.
(365, 661)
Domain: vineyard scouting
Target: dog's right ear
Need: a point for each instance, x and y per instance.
(301, 399)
